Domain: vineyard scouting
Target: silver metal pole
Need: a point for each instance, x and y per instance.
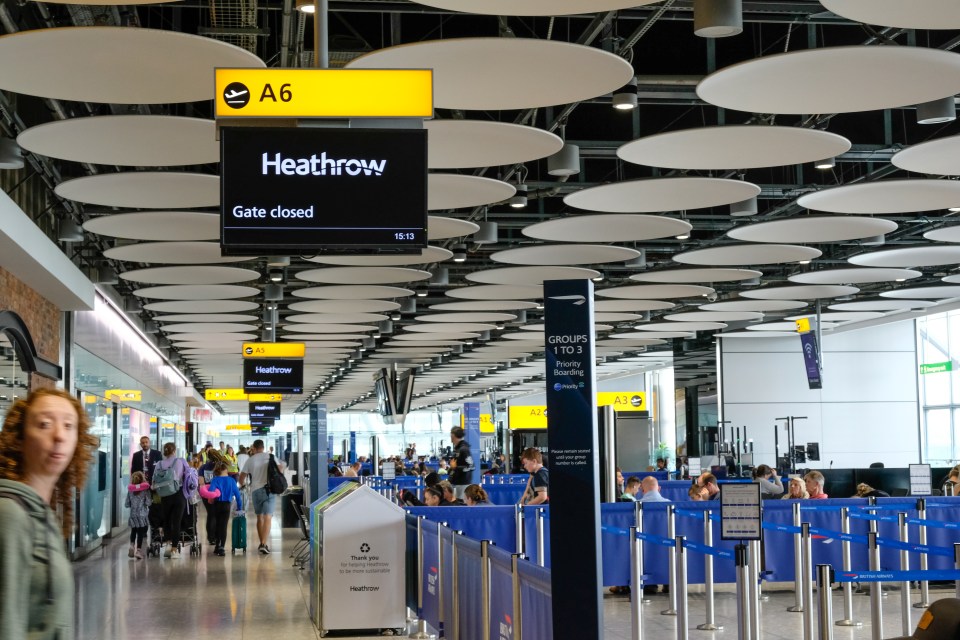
(753, 559)
(825, 601)
(710, 624)
(321, 53)
(905, 608)
(683, 611)
(441, 583)
(743, 600)
(518, 520)
(485, 586)
(517, 603)
(797, 563)
(455, 592)
(956, 564)
(541, 552)
(807, 568)
(847, 620)
(609, 461)
(924, 562)
(671, 562)
(636, 586)
(876, 602)
(638, 521)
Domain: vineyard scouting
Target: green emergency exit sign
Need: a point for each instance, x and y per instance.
(936, 367)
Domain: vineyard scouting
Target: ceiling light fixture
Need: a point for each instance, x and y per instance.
(744, 208)
(459, 252)
(565, 162)
(937, 111)
(519, 199)
(803, 262)
(306, 6)
(825, 164)
(625, 98)
(275, 275)
(422, 293)
(717, 18)
(11, 157)
(70, 231)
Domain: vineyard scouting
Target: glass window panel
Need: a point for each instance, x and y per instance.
(939, 438)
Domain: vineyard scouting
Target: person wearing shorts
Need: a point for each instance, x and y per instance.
(263, 501)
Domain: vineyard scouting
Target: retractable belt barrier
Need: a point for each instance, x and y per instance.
(896, 576)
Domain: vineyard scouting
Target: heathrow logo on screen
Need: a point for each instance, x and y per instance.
(320, 165)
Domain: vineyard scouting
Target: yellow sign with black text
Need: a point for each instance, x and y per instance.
(623, 400)
(803, 325)
(238, 427)
(224, 394)
(532, 417)
(265, 397)
(274, 350)
(486, 423)
(324, 93)
(123, 395)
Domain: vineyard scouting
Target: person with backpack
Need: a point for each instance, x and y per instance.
(257, 469)
(45, 454)
(168, 478)
(220, 493)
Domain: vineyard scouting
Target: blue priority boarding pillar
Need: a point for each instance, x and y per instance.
(352, 453)
(471, 428)
(572, 459)
(319, 459)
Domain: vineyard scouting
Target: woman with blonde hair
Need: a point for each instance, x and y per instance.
(45, 453)
(796, 490)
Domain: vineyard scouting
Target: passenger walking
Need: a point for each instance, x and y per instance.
(45, 455)
(139, 499)
(462, 464)
(167, 482)
(220, 494)
(263, 501)
(145, 459)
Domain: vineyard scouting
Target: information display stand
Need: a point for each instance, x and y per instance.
(359, 572)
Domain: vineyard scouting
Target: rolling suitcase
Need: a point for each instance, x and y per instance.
(239, 534)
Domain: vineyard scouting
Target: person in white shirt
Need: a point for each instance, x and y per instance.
(264, 502)
(352, 471)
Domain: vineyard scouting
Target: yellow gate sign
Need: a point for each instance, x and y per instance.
(623, 400)
(532, 417)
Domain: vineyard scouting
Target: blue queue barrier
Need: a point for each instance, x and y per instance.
(446, 552)
(536, 601)
(504, 494)
(501, 593)
(480, 523)
(335, 481)
(431, 574)
(469, 593)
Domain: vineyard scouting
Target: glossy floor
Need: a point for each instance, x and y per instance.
(256, 597)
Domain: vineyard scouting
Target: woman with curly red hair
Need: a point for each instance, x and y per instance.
(45, 452)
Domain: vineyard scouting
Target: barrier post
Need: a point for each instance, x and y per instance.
(825, 601)
(518, 518)
(710, 624)
(671, 562)
(441, 585)
(847, 620)
(924, 562)
(541, 552)
(683, 613)
(876, 602)
(743, 602)
(419, 488)
(636, 586)
(905, 608)
(797, 563)
(455, 623)
(956, 564)
(485, 586)
(517, 607)
(753, 560)
(421, 632)
(807, 581)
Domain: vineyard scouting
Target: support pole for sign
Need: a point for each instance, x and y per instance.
(924, 563)
(671, 562)
(421, 632)
(847, 620)
(905, 608)
(683, 612)
(797, 563)
(518, 522)
(636, 586)
(876, 602)
(485, 586)
(455, 623)
(743, 600)
(710, 624)
(517, 602)
(825, 601)
(541, 552)
(807, 580)
(321, 45)
(753, 560)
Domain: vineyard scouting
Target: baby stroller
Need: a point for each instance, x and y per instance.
(188, 530)
(156, 535)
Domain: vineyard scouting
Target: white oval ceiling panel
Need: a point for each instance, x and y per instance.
(344, 306)
(447, 327)
(610, 316)
(465, 144)
(363, 275)
(197, 292)
(172, 253)
(754, 305)
(834, 80)
(191, 275)
(714, 316)
(939, 157)
(431, 337)
(885, 196)
(320, 337)
(200, 327)
(476, 316)
(206, 317)
(485, 305)
(954, 279)
(927, 256)
(681, 326)
(352, 292)
(784, 327)
(748, 254)
(607, 228)
(328, 328)
(801, 292)
(455, 191)
(157, 225)
(659, 335)
(734, 147)
(881, 305)
(426, 256)
(441, 228)
(561, 254)
(650, 195)
(534, 7)
(202, 306)
(119, 65)
(128, 141)
(335, 318)
(929, 14)
(213, 337)
(854, 276)
(841, 316)
(944, 234)
(654, 291)
(758, 334)
(144, 190)
(813, 229)
(920, 293)
(483, 74)
(626, 343)
(497, 292)
(632, 305)
(697, 276)
(530, 275)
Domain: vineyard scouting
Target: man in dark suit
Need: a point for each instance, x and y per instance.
(145, 459)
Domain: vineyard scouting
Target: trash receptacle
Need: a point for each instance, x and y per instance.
(289, 517)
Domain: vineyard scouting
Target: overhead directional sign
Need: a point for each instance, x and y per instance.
(529, 417)
(123, 395)
(274, 349)
(265, 397)
(324, 93)
(225, 394)
(623, 400)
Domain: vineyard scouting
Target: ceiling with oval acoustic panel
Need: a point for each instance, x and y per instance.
(335, 318)
(201, 327)
(814, 229)
(632, 305)
(455, 191)
(755, 254)
(197, 292)
(734, 147)
(854, 275)
(654, 291)
(445, 327)
(834, 80)
(205, 317)
(684, 325)
(497, 292)
(565, 254)
(485, 305)
(937, 157)
(714, 316)
(465, 144)
(352, 292)
(944, 234)
(922, 256)
(881, 305)
(661, 194)
(442, 228)
(754, 305)
(885, 196)
(800, 292)
(920, 293)
(363, 275)
(534, 7)
(202, 306)
(696, 276)
(171, 253)
(930, 14)
(607, 228)
(841, 316)
(328, 328)
(530, 275)
(157, 225)
(191, 275)
(144, 190)
(482, 74)
(475, 316)
(344, 306)
(425, 256)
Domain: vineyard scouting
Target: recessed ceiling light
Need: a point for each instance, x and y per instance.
(683, 236)
(804, 262)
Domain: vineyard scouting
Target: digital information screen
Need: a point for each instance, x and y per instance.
(321, 190)
(260, 427)
(267, 374)
(260, 410)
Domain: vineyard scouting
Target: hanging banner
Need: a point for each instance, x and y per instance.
(319, 459)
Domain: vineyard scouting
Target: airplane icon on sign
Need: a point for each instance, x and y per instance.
(233, 95)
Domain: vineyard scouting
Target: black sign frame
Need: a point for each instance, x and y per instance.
(276, 381)
(273, 412)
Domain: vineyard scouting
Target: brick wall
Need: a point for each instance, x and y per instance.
(40, 315)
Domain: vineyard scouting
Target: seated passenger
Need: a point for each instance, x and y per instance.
(866, 491)
(709, 482)
(651, 490)
(795, 490)
(450, 498)
(631, 489)
(475, 496)
(770, 484)
(814, 482)
(432, 496)
(697, 493)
